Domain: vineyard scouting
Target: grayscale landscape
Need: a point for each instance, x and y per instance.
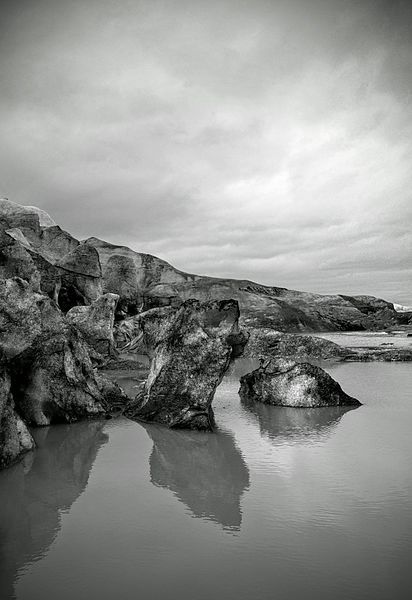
(205, 300)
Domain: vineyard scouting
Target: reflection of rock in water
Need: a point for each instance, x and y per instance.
(300, 425)
(204, 470)
(35, 491)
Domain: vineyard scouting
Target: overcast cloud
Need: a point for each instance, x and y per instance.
(255, 139)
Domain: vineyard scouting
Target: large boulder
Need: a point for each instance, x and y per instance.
(191, 348)
(287, 383)
(95, 322)
(53, 379)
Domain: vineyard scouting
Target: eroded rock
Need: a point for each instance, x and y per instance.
(95, 322)
(52, 377)
(287, 383)
(191, 348)
(15, 438)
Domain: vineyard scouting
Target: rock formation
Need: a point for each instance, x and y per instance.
(267, 343)
(95, 322)
(191, 348)
(15, 438)
(47, 374)
(76, 273)
(287, 383)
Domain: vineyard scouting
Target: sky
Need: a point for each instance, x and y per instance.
(260, 139)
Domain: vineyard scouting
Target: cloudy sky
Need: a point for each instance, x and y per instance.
(261, 139)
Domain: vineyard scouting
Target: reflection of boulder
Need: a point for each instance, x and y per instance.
(285, 424)
(191, 348)
(206, 472)
(34, 492)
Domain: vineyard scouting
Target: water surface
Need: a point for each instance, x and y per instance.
(279, 503)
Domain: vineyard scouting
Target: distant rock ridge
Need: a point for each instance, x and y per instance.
(78, 272)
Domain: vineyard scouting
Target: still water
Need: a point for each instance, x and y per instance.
(278, 504)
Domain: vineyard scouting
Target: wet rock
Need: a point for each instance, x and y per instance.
(268, 343)
(191, 348)
(81, 277)
(15, 438)
(52, 375)
(95, 322)
(287, 383)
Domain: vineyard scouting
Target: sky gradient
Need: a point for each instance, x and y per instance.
(254, 139)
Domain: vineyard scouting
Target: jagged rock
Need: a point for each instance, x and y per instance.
(191, 349)
(95, 322)
(287, 383)
(18, 258)
(53, 379)
(81, 277)
(15, 438)
(143, 281)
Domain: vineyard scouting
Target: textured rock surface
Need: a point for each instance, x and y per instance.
(142, 281)
(268, 343)
(52, 376)
(15, 438)
(81, 277)
(287, 383)
(95, 322)
(191, 349)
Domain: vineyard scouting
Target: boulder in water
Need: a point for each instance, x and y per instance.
(287, 383)
(191, 349)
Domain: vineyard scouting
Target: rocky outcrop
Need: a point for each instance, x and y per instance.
(76, 273)
(81, 277)
(48, 376)
(15, 438)
(191, 349)
(267, 343)
(287, 383)
(95, 322)
(380, 355)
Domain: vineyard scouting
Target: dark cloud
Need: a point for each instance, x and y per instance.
(261, 139)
